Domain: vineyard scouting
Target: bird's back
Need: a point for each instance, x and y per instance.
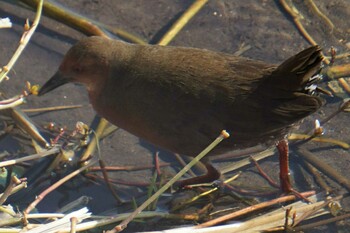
(181, 98)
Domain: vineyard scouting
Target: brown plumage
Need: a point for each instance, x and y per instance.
(181, 98)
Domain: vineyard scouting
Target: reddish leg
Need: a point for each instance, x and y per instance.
(211, 175)
(283, 149)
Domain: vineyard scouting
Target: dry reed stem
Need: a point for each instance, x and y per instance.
(23, 42)
(252, 209)
(182, 21)
(124, 224)
(54, 186)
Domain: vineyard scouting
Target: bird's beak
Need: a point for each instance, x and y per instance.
(58, 79)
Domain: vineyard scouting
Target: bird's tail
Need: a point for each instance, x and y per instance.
(299, 72)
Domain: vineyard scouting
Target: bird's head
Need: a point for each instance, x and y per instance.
(84, 63)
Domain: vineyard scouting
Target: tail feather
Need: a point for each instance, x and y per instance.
(287, 92)
(294, 73)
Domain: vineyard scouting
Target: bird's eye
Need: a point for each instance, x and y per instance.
(77, 69)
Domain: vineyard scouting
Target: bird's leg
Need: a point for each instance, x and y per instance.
(264, 174)
(211, 175)
(283, 150)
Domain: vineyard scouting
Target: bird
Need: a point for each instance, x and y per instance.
(181, 98)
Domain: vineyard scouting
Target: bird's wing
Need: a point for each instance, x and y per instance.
(201, 73)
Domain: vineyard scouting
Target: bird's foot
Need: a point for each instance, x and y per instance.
(211, 175)
(264, 175)
(285, 184)
(296, 194)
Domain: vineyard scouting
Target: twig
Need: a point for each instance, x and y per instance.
(127, 182)
(181, 205)
(55, 108)
(127, 168)
(318, 130)
(12, 102)
(251, 209)
(152, 188)
(18, 187)
(108, 131)
(340, 56)
(320, 14)
(30, 157)
(124, 224)
(323, 167)
(343, 107)
(145, 215)
(259, 191)
(338, 71)
(78, 203)
(183, 163)
(9, 189)
(287, 216)
(295, 136)
(294, 13)
(63, 223)
(240, 153)
(28, 126)
(182, 21)
(157, 164)
(320, 223)
(344, 84)
(73, 226)
(103, 165)
(87, 26)
(264, 174)
(317, 176)
(23, 42)
(307, 214)
(93, 143)
(105, 176)
(247, 161)
(54, 186)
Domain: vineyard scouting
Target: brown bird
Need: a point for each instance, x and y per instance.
(180, 98)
